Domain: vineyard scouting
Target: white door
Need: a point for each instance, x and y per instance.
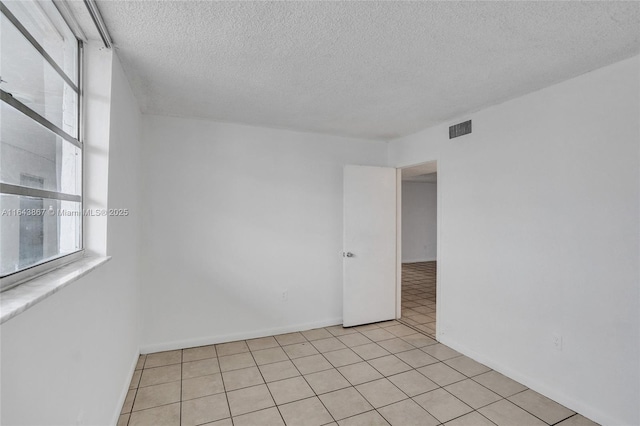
(369, 258)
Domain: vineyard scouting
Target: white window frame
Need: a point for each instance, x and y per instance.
(16, 278)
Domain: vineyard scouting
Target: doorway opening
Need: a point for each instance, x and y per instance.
(418, 247)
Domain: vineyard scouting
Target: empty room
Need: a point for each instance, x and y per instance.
(233, 213)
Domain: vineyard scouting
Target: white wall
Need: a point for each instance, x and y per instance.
(68, 360)
(419, 226)
(234, 216)
(540, 235)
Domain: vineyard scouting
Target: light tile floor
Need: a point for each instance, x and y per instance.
(419, 296)
(376, 374)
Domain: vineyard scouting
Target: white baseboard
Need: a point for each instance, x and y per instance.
(418, 260)
(578, 406)
(123, 394)
(210, 340)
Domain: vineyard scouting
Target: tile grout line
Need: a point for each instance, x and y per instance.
(224, 388)
(305, 379)
(275, 404)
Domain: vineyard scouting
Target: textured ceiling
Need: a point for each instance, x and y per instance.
(369, 69)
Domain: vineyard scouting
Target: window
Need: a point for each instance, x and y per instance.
(40, 148)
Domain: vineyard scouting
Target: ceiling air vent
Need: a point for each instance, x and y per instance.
(459, 129)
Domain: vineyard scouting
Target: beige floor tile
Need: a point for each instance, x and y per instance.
(223, 422)
(316, 334)
(307, 412)
(269, 356)
(328, 344)
(472, 394)
(326, 381)
(427, 328)
(423, 310)
(338, 330)
(577, 420)
(159, 359)
(412, 383)
(421, 318)
(123, 419)
(500, 384)
(370, 418)
(441, 374)
(198, 387)
(204, 410)
(203, 367)
(400, 330)
(156, 395)
(381, 392)
(387, 324)
(419, 340)
(128, 401)
(232, 348)
(416, 358)
(268, 417)
(396, 345)
(541, 406)
(389, 365)
(242, 378)
(442, 405)
(140, 363)
(359, 373)
(342, 357)
(312, 364)
(471, 419)
(354, 339)
(440, 351)
(290, 390)
(406, 319)
(366, 327)
(407, 413)
(158, 375)
(300, 350)
(278, 371)
(345, 403)
(467, 366)
(249, 399)
(378, 334)
(505, 413)
(166, 415)
(370, 351)
(262, 343)
(290, 338)
(135, 380)
(236, 362)
(201, 352)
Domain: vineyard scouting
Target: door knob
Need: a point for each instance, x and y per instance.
(349, 254)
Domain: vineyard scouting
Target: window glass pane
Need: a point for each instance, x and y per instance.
(30, 79)
(33, 156)
(35, 230)
(46, 25)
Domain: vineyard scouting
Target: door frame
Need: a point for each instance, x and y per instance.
(439, 293)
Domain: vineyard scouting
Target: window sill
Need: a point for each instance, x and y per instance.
(18, 299)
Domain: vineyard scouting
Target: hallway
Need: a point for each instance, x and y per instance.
(419, 296)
